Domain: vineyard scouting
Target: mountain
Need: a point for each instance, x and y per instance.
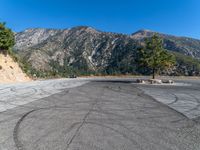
(184, 45)
(87, 50)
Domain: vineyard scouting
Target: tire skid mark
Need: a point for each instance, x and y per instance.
(119, 123)
(145, 95)
(176, 99)
(25, 93)
(197, 106)
(141, 94)
(17, 105)
(16, 90)
(83, 122)
(18, 143)
(78, 129)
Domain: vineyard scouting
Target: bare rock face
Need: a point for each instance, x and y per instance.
(31, 37)
(141, 34)
(86, 48)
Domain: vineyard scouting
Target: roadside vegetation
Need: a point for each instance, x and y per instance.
(7, 39)
(154, 57)
(187, 64)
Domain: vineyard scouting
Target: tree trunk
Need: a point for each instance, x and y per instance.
(153, 73)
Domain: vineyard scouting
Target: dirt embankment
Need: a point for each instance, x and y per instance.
(10, 71)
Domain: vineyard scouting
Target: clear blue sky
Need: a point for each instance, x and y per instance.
(178, 17)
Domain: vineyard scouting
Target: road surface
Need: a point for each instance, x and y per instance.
(103, 114)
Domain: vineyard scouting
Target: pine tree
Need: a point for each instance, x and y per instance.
(154, 56)
(6, 38)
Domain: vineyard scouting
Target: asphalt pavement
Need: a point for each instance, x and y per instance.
(99, 114)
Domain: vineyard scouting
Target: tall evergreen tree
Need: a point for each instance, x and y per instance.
(7, 40)
(154, 56)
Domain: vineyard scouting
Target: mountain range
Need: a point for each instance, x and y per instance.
(87, 50)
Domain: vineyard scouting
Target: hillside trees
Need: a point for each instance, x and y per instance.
(7, 40)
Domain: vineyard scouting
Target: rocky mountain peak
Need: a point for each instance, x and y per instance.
(86, 29)
(143, 33)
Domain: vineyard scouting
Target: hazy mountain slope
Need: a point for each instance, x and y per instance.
(86, 49)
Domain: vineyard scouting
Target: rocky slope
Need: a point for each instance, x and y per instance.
(86, 49)
(10, 71)
(184, 45)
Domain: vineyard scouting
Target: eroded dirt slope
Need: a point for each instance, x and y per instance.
(10, 71)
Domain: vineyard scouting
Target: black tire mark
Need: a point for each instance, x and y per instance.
(196, 107)
(18, 143)
(145, 95)
(116, 131)
(32, 91)
(119, 123)
(78, 129)
(123, 118)
(175, 101)
(10, 103)
(83, 121)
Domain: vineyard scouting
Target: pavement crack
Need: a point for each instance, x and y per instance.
(82, 123)
(79, 127)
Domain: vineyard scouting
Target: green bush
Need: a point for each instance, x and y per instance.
(7, 39)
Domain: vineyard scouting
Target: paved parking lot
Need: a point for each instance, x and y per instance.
(99, 114)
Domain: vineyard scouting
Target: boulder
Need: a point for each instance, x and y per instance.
(168, 81)
(155, 81)
(140, 81)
